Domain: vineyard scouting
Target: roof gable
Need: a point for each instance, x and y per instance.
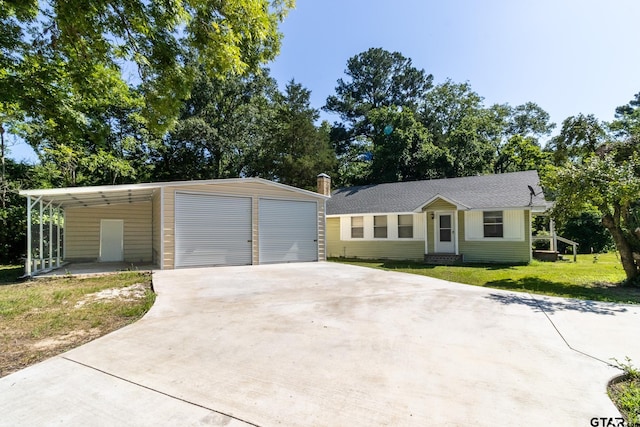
(508, 190)
(438, 199)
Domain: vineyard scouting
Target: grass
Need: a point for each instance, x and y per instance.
(592, 277)
(44, 317)
(626, 394)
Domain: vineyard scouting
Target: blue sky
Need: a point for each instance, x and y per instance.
(568, 56)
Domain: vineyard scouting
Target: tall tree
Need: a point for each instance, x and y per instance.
(219, 125)
(403, 149)
(521, 154)
(89, 82)
(602, 172)
(579, 138)
(461, 127)
(521, 127)
(626, 128)
(377, 78)
(164, 40)
(611, 187)
(294, 151)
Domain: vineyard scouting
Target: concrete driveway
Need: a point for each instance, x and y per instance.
(325, 344)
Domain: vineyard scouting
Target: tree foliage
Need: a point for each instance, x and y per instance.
(612, 188)
(295, 151)
(218, 126)
(98, 88)
(377, 78)
(580, 137)
(434, 131)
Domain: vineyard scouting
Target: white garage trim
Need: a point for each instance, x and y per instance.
(212, 230)
(288, 231)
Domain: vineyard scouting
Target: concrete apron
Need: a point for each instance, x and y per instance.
(325, 344)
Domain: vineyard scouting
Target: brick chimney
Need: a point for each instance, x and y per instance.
(324, 184)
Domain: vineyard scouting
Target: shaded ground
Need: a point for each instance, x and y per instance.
(596, 278)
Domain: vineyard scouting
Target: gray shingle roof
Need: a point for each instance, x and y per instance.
(507, 190)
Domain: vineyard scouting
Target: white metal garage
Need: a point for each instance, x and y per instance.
(212, 230)
(288, 231)
(235, 221)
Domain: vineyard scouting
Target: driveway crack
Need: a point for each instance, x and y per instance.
(161, 392)
(541, 308)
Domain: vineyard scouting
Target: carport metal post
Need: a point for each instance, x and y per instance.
(50, 264)
(40, 242)
(44, 262)
(29, 260)
(58, 237)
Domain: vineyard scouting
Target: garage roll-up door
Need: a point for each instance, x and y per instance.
(212, 230)
(288, 231)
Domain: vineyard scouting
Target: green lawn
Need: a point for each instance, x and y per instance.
(40, 318)
(591, 277)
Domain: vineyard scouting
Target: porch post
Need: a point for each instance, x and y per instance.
(426, 233)
(27, 261)
(455, 232)
(554, 238)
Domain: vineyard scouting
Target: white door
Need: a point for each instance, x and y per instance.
(445, 233)
(212, 230)
(288, 231)
(111, 240)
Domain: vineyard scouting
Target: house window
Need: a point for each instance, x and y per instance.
(380, 227)
(357, 227)
(493, 226)
(405, 226)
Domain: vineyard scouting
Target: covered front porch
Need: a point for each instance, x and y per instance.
(455, 233)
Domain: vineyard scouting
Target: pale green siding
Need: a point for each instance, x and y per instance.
(439, 205)
(382, 249)
(507, 252)
(430, 242)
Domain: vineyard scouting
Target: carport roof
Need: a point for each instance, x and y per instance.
(129, 193)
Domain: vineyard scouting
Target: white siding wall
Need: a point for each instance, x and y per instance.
(513, 225)
(392, 227)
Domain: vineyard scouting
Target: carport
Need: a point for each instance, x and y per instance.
(176, 224)
(46, 217)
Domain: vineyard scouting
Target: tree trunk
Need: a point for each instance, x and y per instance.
(622, 245)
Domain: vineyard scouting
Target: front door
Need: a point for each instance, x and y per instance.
(445, 233)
